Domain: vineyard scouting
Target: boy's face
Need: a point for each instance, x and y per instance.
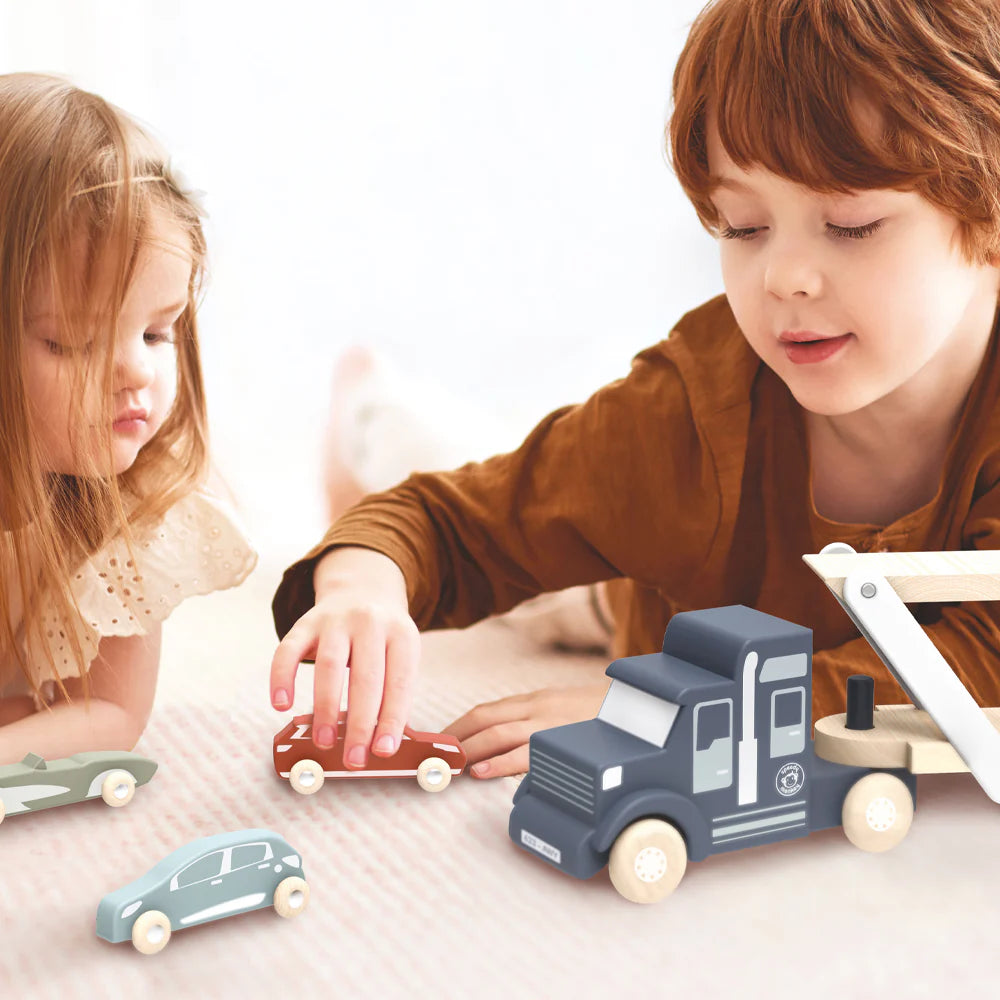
(848, 298)
(70, 427)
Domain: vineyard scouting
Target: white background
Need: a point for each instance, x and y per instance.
(478, 189)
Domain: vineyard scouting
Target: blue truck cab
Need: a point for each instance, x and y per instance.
(702, 748)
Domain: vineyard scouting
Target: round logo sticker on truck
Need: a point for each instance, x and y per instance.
(790, 779)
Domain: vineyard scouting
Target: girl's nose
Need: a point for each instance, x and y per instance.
(133, 364)
(790, 271)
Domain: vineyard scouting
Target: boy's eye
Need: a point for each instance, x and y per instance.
(842, 232)
(855, 232)
(729, 233)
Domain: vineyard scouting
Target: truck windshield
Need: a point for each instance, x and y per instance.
(638, 712)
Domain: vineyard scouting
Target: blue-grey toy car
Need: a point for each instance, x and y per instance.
(207, 879)
(36, 783)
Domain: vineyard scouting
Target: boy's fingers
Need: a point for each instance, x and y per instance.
(328, 684)
(497, 740)
(493, 713)
(513, 762)
(402, 656)
(364, 686)
(284, 665)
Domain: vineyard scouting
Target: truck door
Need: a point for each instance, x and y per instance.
(713, 745)
(783, 714)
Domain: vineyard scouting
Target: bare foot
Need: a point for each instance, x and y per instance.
(577, 619)
(342, 487)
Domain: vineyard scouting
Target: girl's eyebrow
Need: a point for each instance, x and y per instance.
(176, 307)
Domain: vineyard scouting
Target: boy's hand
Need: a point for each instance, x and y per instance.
(360, 620)
(495, 735)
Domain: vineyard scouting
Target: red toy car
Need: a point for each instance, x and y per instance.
(432, 757)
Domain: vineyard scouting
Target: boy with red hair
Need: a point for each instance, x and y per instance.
(846, 153)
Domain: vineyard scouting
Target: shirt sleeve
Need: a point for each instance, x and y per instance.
(621, 485)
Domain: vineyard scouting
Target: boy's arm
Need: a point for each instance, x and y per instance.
(967, 634)
(122, 682)
(624, 484)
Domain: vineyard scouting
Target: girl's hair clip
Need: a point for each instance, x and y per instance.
(173, 177)
(108, 184)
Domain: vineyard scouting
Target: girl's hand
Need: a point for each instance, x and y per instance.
(495, 735)
(360, 620)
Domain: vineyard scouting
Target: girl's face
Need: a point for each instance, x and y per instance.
(69, 429)
(850, 299)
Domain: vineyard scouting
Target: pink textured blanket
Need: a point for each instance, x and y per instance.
(418, 896)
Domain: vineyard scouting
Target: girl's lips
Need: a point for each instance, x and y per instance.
(129, 424)
(813, 351)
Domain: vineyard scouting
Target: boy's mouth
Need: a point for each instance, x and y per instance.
(804, 347)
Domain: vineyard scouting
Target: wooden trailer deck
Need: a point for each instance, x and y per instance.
(903, 736)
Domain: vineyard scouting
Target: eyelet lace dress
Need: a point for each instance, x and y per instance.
(196, 548)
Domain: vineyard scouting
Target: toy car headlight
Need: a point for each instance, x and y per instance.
(611, 778)
(130, 909)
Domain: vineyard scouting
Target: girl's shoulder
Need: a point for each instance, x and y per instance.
(198, 546)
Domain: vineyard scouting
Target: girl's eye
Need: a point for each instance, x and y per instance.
(61, 350)
(159, 337)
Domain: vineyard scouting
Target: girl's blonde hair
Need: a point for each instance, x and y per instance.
(785, 81)
(81, 188)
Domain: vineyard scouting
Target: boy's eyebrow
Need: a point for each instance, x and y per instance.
(716, 181)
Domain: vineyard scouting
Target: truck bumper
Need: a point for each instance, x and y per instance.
(548, 833)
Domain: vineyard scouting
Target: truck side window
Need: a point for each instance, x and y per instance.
(788, 729)
(713, 722)
(712, 759)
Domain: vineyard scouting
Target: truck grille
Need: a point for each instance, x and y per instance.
(558, 779)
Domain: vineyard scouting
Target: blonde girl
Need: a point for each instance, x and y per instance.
(104, 524)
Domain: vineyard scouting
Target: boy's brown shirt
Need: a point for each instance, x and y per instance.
(687, 484)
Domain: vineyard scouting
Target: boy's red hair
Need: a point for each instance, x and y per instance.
(785, 81)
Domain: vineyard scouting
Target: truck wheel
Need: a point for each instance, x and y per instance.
(648, 860)
(877, 813)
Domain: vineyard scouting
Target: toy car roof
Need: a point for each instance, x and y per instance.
(408, 731)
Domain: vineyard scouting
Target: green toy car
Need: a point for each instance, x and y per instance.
(36, 783)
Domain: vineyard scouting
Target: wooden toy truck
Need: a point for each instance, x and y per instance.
(705, 747)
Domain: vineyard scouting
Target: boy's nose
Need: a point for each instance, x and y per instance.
(790, 272)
